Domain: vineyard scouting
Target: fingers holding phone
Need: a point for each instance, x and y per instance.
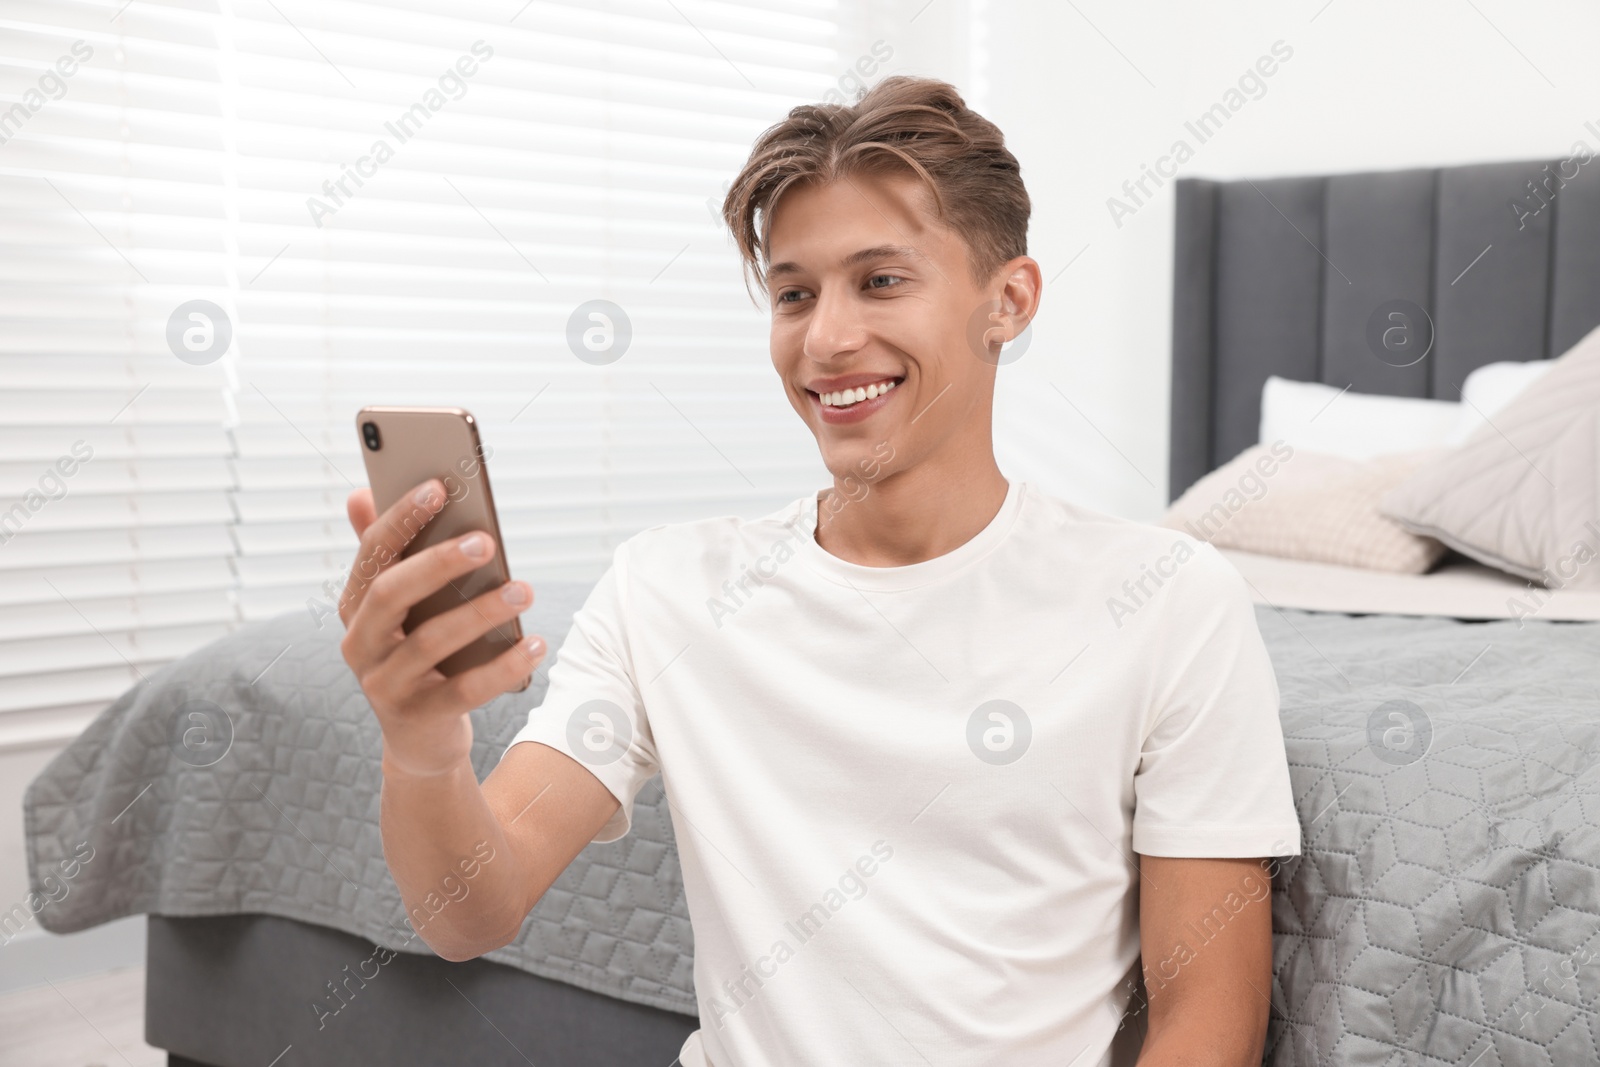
(431, 611)
(384, 538)
(511, 670)
(379, 623)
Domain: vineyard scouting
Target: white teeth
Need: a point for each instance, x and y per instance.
(845, 397)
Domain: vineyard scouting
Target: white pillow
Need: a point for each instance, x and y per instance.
(1490, 388)
(1324, 418)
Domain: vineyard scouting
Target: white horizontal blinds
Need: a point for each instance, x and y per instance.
(115, 551)
(568, 155)
(577, 155)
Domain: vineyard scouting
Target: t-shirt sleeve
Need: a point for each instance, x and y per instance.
(1213, 776)
(592, 710)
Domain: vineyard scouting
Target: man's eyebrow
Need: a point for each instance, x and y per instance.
(854, 259)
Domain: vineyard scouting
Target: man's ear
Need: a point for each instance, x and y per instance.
(1007, 309)
(1021, 289)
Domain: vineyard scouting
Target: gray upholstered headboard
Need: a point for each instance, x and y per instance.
(1281, 277)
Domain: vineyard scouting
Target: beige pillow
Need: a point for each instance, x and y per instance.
(1276, 500)
(1523, 492)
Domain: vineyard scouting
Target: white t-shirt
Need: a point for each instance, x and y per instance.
(907, 799)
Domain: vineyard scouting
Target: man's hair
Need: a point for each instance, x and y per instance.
(918, 126)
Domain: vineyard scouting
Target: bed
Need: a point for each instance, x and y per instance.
(254, 850)
(1446, 908)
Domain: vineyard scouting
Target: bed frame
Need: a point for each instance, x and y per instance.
(1281, 277)
(238, 991)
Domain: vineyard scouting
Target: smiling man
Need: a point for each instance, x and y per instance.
(931, 800)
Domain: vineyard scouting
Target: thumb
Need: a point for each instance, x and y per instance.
(362, 511)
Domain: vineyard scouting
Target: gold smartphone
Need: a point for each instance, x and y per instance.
(404, 447)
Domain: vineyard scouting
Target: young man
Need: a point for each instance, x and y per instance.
(943, 754)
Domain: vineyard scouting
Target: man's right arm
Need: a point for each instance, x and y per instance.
(537, 810)
(507, 840)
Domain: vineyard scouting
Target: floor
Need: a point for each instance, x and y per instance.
(96, 1021)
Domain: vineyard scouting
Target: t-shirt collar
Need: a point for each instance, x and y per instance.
(911, 576)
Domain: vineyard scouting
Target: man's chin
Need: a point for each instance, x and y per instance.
(856, 464)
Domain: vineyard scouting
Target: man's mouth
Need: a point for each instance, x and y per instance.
(859, 402)
(844, 398)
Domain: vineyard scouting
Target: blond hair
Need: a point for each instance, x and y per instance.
(919, 126)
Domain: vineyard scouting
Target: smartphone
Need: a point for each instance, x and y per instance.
(404, 447)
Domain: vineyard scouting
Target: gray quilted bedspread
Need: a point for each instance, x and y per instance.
(1446, 909)
(286, 821)
(1446, 906)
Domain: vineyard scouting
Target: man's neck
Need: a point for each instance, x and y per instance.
(910, 516)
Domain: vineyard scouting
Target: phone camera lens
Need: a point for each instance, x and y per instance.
(369, 432)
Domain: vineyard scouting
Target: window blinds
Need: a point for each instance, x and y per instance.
(235, 223)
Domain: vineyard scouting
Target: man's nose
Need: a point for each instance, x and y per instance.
(836, 327)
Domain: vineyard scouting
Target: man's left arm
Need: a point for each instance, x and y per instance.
(1205, 937)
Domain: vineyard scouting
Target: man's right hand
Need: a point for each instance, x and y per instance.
(423, 713)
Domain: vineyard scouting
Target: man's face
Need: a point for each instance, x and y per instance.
(867, 289)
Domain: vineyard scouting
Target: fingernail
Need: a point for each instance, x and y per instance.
(533, 645)
(475, 547)
(425, 497)
(514, 593)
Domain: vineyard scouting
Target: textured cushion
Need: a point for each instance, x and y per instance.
(1523, 493)
(1281, 501)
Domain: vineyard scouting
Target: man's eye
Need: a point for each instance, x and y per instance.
(783, 297)
(888, 277)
